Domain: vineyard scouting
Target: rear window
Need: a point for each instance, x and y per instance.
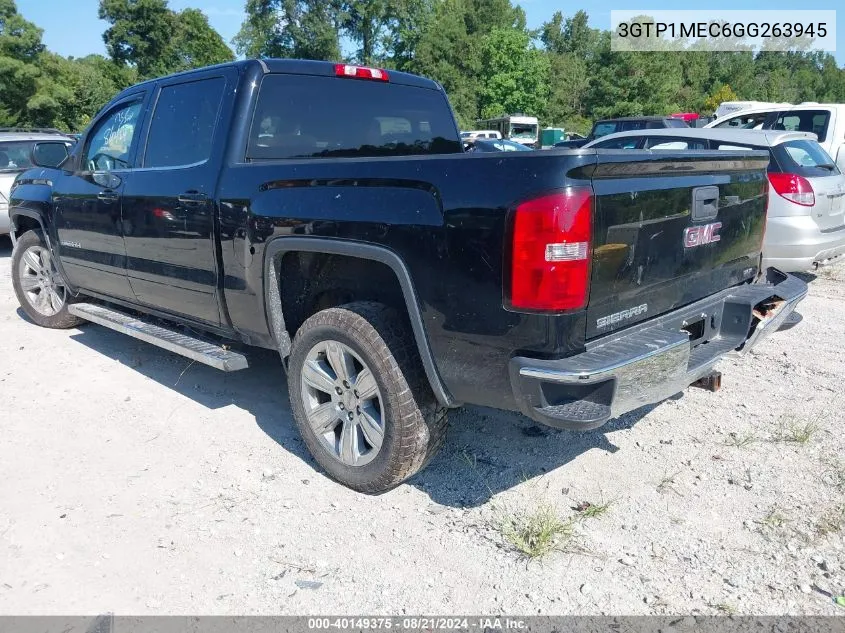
(603, 129)
(676, 123)
(745, 121)
(805, 158)
(15, 156)
(303, 116)
(814, 121)
(627, 126)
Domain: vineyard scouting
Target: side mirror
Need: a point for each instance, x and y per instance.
(49, 153)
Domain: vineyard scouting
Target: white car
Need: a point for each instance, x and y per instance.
(825, 120)
(805, 226)
(15, 150)
(472, 135)
(729, 107)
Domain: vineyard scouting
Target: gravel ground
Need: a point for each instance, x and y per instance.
(135, 482)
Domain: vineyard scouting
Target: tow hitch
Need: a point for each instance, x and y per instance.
(710, 382)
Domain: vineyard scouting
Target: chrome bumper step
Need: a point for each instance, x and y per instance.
(191, 347)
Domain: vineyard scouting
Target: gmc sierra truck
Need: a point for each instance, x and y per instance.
(328, 211)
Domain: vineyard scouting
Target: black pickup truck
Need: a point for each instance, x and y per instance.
(329, 212)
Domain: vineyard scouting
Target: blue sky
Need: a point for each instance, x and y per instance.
(72, 27)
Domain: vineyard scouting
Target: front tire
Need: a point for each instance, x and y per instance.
(360, 397)
(40, 289)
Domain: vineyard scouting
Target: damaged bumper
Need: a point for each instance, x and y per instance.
(653, 361)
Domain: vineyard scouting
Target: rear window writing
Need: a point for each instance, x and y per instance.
(303, 116)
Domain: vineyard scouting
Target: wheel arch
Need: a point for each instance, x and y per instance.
(278, 248)
(23, 220)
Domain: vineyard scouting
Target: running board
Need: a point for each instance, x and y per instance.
(194, 348)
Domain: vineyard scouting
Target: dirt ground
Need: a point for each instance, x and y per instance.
(135, 482)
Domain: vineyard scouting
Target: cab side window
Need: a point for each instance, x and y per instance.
(183, 123)
(110, 142)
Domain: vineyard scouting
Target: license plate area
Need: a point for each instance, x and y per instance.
(696, 330)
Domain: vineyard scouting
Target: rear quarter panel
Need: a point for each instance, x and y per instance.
(446, 218)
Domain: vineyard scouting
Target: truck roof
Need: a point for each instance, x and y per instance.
(302, 67)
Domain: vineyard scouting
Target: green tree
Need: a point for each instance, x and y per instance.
(140, 34)
(449, 47)
(367, 23)
(410, 22)
(569, 84)
(449, 53)
(196, 44)
(516, 74)
(146, 34)
(20, 46)
(572, 47)
(40, 88)
(304, 29)
(724, 93)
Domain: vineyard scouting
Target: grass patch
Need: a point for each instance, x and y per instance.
(741, 440)
(794, 431)
(725, 608)
(774, 519)
(536, 533)
(588, 510)
(667, 484)
(832, 521)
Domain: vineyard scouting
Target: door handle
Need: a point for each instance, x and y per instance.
(192, 197)
(107, 196)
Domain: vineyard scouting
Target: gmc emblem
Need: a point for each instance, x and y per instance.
(698, 235)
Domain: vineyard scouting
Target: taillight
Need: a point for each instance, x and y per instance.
(794, 188)
(550, 265)
(360, 72)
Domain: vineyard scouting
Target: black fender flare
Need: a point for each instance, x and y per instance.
(16, 212)
(39, 217)
(276, 249)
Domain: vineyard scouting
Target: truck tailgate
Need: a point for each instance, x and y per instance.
(670, 228)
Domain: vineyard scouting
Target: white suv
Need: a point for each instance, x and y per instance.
(825, 120)
(15, 151)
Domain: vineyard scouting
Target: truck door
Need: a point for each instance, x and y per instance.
(169, 208)
(87, 202)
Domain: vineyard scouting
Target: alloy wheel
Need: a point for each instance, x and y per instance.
(343, 404)
(40, 281)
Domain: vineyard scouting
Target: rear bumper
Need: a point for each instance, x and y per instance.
(652, 361)
(796, 243)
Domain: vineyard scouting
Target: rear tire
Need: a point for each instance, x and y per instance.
(40, 289)
(360, 397)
